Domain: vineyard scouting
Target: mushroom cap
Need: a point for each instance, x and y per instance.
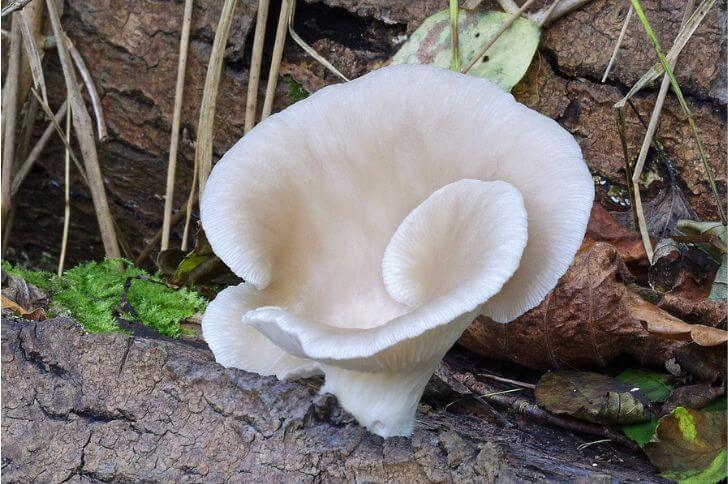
(374, 219)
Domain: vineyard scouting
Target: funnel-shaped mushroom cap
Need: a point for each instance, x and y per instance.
(372, 222)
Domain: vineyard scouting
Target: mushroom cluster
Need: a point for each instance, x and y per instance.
(374, 220)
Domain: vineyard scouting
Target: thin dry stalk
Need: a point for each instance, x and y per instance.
(191, 200)
(649, 135)
(508, 6)
(66, 195)
(496, 36)
(617, 46)
(203, 149)
(310, 50)
(35, 153)
(10, 114)
(33, 53)
(454, 37)
(84, 133)
(176, 121)
(14, 5)
(565, 7)
(176, 218)
(251, 103)
(548, 13)
(91, 87)
(275, 63)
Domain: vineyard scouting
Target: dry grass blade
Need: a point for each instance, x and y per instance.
(251, 103)
(310, 50)
(508, 6)
(14, 5)
(275, 63)
(454, 29)
(10, 114)
(176, 120)
(84, 133)
(495, 37)
(203, 151)
(191, 200)
(683, 104)
(681, 39)
(545, 17)
(91, 87)
(619, 42)
(66, 196)
(35, 153)
(33, 54)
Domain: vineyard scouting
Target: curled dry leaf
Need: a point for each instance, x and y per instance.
(587, 320)
(592, 397)
(662, 323)
(604, 227)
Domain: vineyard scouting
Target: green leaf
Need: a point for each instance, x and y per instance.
(506, 60)
(591, 396)
(653, 385)
(640, 433)
(690, 446)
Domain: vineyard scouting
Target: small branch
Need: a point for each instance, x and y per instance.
(504, 26)
(203, 147)
(66, 195)
(256, 60)
(310, 50)
(13, 6)
(84, 134)
(176, 120)
(619, 42)
(275, 63)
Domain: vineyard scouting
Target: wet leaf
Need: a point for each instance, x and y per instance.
(716, 235)
(689, 445)
(591, 396)
(656, 387)
(506, 60)
(642, 432)
(719, 289)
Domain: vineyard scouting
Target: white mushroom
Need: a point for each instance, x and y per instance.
(374, 220)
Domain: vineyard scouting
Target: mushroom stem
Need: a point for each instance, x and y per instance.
(385, 403)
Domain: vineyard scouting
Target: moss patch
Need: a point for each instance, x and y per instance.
(91, 293)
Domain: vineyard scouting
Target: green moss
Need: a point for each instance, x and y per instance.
(296, 92)
(92, 292)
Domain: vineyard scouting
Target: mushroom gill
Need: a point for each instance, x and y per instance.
(374, 220)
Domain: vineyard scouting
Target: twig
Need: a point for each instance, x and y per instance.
(625, 25)
(203, 147)
(507, 380)
(524, 407)
(454, 30)
(84, 133)
(310, 50)
(176, 218)
(651, 129)
(251, 103)
(176, 120)
(66, 195)
(35, 153)
(542, 18)
(504, 26)
(14, 5)
(91, 87)
(275, 63)
(10, 115)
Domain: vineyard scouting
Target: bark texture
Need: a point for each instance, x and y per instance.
(89, 408)
(131, 50)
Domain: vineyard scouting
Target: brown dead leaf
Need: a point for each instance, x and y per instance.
(37, 314)
(586, 320)
(662, 323)
(605, 228)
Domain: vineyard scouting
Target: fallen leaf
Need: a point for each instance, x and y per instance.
(692, 396)
(591, 396)
(605, 228)
(37, 314)
(653, 385)
(506, 60)
(690, 444)
(642, 432)
(585, 321)
(659, 322)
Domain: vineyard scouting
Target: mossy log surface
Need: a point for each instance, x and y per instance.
(85, 408)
